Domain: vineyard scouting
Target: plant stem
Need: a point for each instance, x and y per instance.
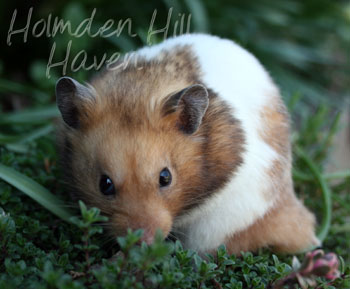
(332, 176)
(326, 193)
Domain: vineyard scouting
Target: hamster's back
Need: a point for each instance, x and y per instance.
(263, 181)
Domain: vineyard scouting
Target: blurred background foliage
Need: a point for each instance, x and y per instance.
(304, 44)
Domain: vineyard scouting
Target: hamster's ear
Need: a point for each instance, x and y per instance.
(191, 103)
(70, 97)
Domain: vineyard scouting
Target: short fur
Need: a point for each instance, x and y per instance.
(226, 145)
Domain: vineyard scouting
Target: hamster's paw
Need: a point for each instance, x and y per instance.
(295, 229)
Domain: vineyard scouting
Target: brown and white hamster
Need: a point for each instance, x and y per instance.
(192, 138)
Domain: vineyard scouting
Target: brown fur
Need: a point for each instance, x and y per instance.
(289, 226)
(125, 135)
(286, 228)
(275, 130)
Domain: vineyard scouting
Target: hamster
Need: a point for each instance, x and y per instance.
(190, 137)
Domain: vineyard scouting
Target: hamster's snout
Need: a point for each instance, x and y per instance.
(151, 222)
(147, 237)
(149, 218)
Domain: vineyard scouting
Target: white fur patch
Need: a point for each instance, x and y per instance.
(236, 76)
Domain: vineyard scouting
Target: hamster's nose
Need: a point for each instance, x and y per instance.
(147, 237)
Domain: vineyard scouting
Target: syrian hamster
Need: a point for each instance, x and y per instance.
(189, 136)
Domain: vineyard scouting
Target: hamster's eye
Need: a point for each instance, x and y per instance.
(106, 186)
(165, 178)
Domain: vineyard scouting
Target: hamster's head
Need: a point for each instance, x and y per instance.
(136, 153)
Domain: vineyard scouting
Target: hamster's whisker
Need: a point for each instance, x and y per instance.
(178, 233)
(109, 239)
(173, 236)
